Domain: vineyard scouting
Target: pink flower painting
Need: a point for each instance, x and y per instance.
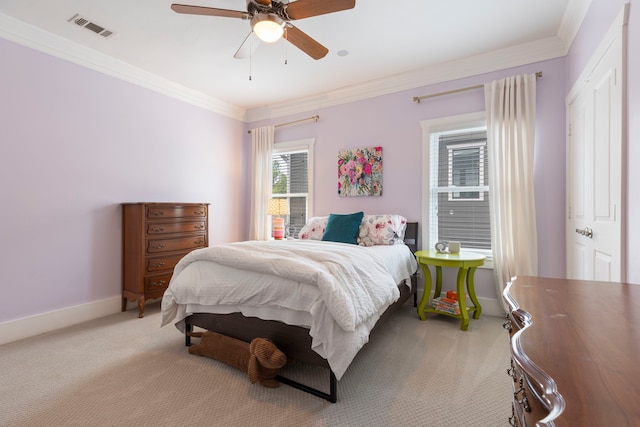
(360, 172)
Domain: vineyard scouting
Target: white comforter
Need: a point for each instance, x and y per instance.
(337, 290)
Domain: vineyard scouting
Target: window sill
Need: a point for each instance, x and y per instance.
(488, 263)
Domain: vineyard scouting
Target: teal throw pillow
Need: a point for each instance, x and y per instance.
(343, 228)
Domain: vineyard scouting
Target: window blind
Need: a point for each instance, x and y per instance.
(459, 191)
(291, 181)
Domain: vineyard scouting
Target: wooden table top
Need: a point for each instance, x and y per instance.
(586, 336)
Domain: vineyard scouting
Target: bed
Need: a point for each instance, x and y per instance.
(293, 292)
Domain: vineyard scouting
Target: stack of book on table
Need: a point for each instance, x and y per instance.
(447, 305)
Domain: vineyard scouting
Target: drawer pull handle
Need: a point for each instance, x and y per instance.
(524, 402)
(158, 264)
(198, 212)
(199, 241)
(157, 229)
(511, 371)
(158, 246)
(198, 226)
(158, 283)
(157, 213)
(512, 418)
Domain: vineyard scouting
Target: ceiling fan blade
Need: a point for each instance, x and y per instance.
(211, 11)
(306, 8)
(305, 43)
(248, 47)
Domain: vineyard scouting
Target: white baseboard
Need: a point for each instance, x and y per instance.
(491, 307)
(14, 330)
(18, 329)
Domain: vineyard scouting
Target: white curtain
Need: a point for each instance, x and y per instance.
(511, 116)
(262, 176)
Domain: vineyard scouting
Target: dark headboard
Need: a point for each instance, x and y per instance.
(411, 236)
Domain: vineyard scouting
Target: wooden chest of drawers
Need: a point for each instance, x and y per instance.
(155, 236)
(574, 347)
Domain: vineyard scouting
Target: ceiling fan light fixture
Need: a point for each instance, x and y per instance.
(268, 27)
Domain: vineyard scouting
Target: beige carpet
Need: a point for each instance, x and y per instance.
(125, 371)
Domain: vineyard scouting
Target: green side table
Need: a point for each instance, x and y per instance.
(466, 263)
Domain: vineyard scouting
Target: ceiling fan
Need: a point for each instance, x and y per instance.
(270, 20)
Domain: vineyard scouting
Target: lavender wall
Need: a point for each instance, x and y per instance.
(75, 144)
(393, 122)
(595, 25)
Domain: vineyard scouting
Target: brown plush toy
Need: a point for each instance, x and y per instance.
(261, 359)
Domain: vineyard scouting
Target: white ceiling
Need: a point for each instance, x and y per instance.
(389, 43)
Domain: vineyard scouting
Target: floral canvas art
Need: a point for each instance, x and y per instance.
(360, 172)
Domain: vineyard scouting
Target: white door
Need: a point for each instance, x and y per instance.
(595, 168)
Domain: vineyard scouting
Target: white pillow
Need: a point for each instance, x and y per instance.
(382, 230)
(314, 228)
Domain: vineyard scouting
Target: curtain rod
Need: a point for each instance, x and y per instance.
(316, 117)
(419, 98)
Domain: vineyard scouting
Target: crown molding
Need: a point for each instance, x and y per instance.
(514, 56)
(30, 36)
(541, 50)
(571, 20)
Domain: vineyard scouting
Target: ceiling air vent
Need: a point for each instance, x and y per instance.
(84, 22)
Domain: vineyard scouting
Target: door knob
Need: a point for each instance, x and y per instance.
(587, 232)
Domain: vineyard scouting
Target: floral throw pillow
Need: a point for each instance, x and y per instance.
(314, 228)
(382, 230)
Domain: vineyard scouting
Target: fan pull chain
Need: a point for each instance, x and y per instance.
(250, 53)
(286, 46)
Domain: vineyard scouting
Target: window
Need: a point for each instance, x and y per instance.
(465, 166)
(292, 172)
(455, 183)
